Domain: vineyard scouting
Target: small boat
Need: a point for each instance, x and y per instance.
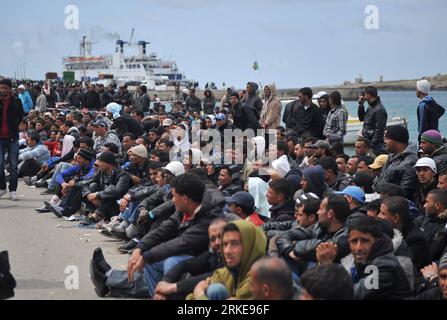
(355, 126)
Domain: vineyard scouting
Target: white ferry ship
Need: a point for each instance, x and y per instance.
(143, 67)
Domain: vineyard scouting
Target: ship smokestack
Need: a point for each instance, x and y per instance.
(142, 48)
(120, 46)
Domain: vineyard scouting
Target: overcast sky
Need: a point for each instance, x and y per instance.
(296, 43)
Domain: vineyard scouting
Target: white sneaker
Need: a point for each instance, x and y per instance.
(13, 196)
(3, 192)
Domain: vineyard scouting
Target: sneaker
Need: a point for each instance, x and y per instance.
(28, 181)
(41, 184)
(58, 211)
(13, 196)
(131, 245)
(47, 192)
(3, 192)
(120, 234)
(43, 210)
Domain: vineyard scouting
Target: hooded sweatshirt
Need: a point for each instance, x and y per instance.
(253, 101)
(258, 189)
(271, 111)
(281, 165)
(237, 281)
(315, 181)
(429, 112)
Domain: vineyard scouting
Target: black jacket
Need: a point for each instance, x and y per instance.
(199, 268)
(431, 294)
(234, 187)
(283, 212)
(304, 242)
(440, 158)
(75, 99)
(253, 102)
(141, 172)
(420, 194)
(432, 112)
(416, 241)
(173, 238)
(92, 100)
(274, 228)
(374, 121)
(193, 104)
(341, 182)
(392, 281)
(15, 115)
(109, 188)
(126, 123)
(304, 122)
(244, 117)
(399, 170)
(124, 98)
(294, 177)
(433, 228)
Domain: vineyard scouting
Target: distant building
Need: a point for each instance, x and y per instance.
(359, 79)
(381, 79)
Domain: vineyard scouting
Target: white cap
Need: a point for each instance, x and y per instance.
(175, 167)
(320, 94)
(427, 162)
(185, 91)
(423, 86)
(22, 87)
(167, 123)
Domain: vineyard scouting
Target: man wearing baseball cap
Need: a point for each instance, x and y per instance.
(243, 204)
(426, 173)
(432, 145)
(356, 200)
(377, 165)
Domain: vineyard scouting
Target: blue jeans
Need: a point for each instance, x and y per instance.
(153, 273)
(130, 214)
(60, 167)
(217, 291)
(12, 148)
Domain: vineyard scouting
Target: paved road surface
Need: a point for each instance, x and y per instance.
(41, 246)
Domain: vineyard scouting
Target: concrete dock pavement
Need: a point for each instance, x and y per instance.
(46, 252)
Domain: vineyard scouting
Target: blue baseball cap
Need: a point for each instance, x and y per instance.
(242, 199)
(356, 193)
(100, 123)
(220, 116)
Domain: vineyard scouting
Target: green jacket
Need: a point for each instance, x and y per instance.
(254, 245)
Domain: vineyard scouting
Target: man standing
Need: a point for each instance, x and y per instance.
(25, 97)
(308, 116)
(429, 111)
(271, 111)
(11, 114)
(92, 99)
(142, 101)
(374, 119)
(193, 104)
(252, 100)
